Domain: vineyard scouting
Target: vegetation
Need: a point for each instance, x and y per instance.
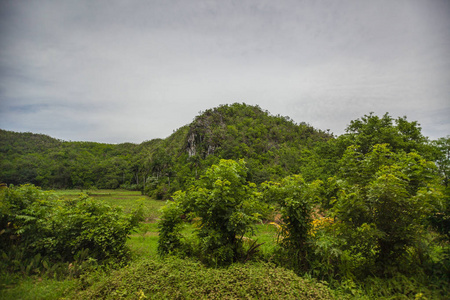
(40, 229)
(253, 200)
(185, 279)
(274, 147)
(295, 199)
(224, 207)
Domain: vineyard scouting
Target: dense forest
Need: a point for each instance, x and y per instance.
(373, 203)
(273, 146)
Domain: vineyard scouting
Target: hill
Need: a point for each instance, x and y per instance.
(271, 145)
(240, 130)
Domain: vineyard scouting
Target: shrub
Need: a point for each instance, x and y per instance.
(295, 198)
(226, 207)
(175, 278)
(383, 203)
(36, 222)
(85, 223)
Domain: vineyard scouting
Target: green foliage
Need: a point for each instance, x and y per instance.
(441, 220)
(93, 225)
(272, 145)
(51, 163)
(23, 218)
(42, 289)
(383, 202)
(365, 217)
(170, 225)
(34, 222)
(326, 259)
(175, 278)
(225, 207)
(404, 287)
(442, 155)
(295, 199)
(399, 134)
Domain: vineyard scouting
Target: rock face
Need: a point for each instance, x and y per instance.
(190, 148)
(197, 143)
(205, 134)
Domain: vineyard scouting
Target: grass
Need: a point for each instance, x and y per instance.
(128, 200)
(39, 288)
(267, 234)
(143, 242)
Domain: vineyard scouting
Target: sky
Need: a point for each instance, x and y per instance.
(115, 71)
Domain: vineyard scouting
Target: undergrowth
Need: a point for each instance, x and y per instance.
(175, 278)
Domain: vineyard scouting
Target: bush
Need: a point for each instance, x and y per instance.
(226, 208)
(36, 222)
(89, 224)
(295, 198)
(175, 278)
(382, 206)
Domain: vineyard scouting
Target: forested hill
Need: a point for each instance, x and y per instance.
(27, 142)
(240, 130)
(268, 142)
(272, 146)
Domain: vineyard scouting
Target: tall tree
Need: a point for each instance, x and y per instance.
(384, 200)
(371, 130)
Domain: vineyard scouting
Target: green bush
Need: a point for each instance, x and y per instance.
(295, 198)
(175, 278)
(170, 226)
(89, 224)
(34, 222)
(382, 206)
(225, 206)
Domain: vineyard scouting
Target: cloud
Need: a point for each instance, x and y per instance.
(114, 71)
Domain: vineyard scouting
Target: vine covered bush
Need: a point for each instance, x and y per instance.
(295, 199)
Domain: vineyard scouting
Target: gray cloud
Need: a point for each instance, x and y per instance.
(115, 71)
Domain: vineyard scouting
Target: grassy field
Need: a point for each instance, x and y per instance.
(143, 242)
(128, 200)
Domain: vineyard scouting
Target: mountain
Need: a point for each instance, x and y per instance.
(273, 146)
(240, 130)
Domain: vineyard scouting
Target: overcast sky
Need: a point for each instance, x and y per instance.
(129, 71)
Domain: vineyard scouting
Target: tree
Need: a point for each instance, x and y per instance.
(399, 134)
(225, 207)
(295, 198)
(441, 220)
(387, 197)
(442, 146)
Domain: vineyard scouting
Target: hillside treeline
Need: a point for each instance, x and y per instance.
(271, 144)
(273, 147)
